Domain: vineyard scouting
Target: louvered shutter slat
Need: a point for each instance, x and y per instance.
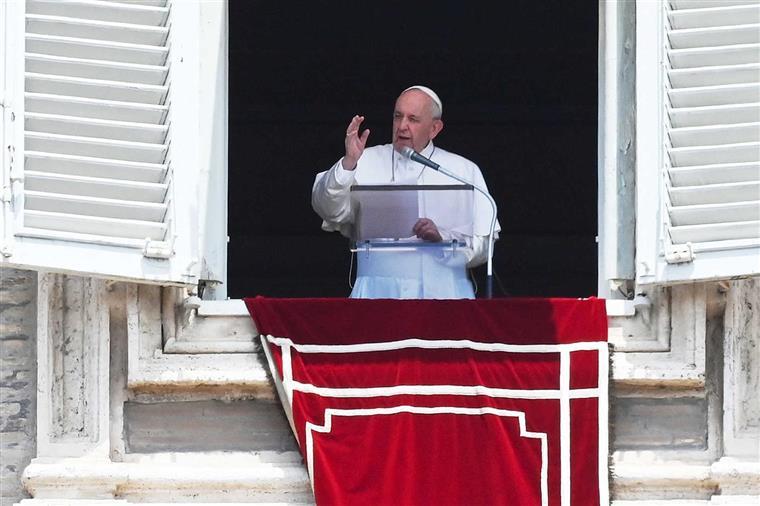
(96, 187)
(709, 56)
(714, 174)
(95, 225)
(716, 193)
(713, 108)
(714, 115)
(95, 88)
(695, 4)
(101, 11)
(716, 213)
(744, 93)
(105, 129)
(714, 36)
(96, 69)
(96, 148)
(95, 108)
(97, 30)
(714, 135)
(96, 206)
(715, 232)
(721, 15)
(153, 3)
(96, 49)
(712, 76)
(715, 155)
(95, 167)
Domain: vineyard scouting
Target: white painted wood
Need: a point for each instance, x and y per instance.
(95, 225)
(154, 3)
(96, 148)
(103, 11)
(716, 213)
(105, 129)
(714, 174)
(75, 47)
(714, 115)
(96, 69)
(715, 75)
(95, 167)
(650, 137)
(711, 186)
(715, 155)
(159, 3)
(716, 232)
(721, 55)
(715, 16)
(96, 108)
(97, 30)
(97, 95)
(715, 36)
(94, 206)
(96, 187)
(701, 4)
(711, 135)
(743, 93)
(95, 88)
(716, 193)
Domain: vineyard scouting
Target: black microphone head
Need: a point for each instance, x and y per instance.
(407, 152)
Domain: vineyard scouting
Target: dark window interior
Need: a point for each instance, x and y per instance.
(518, 82)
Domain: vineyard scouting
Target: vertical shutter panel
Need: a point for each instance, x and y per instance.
(95, 123)
(96, 180)
(712, 120)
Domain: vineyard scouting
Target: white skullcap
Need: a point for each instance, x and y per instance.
(430, 93)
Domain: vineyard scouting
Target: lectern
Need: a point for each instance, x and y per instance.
(391, 261)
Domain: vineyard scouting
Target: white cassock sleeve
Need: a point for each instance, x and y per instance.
(331, 197)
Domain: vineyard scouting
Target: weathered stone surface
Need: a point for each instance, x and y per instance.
(656, 423)
(207, 426)
(18, 379)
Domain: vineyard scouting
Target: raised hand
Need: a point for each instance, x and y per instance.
(426, 229)
(354, 143)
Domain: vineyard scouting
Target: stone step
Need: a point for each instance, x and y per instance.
(206, 477)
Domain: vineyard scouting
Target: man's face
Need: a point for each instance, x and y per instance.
(413, 122)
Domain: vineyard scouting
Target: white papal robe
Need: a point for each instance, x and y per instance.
(425, 274)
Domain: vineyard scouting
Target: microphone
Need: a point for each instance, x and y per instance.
(411, 154)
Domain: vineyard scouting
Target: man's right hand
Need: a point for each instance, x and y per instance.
(354, 143)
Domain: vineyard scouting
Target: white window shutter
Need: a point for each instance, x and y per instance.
(698, 133)
(108, 174)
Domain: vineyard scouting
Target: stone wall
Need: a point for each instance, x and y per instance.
(18, 379)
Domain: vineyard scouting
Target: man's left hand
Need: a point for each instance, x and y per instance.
(426, 230)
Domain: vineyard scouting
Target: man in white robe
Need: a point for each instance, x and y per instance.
(431, 274)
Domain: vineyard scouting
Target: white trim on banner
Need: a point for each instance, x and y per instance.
(564, 394)
(420, 410)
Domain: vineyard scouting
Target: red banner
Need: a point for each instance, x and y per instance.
(415, 402)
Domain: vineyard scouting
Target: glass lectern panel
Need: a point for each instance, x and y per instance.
(389, 212)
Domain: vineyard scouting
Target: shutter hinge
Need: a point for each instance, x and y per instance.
(679, 253)
(7, 195)
(158, 249)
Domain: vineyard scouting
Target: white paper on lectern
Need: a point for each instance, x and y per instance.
(390, 211)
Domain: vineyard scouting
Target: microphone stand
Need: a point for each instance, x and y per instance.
(489, 265)
(413, 155)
